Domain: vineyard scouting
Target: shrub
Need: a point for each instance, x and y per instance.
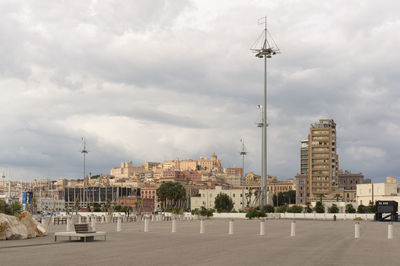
(319, 207)
(350, 208)
(282, 208)
(371, 208)
(334, 209)
(308, 208)
(269, 209)
(295, 209)
(206, 212)
(254, 213)
(177, 211)
(361, 209)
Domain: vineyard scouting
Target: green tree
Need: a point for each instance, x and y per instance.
(284, 198)
(118, 208)
(350, 208)
(223, 203)
(269, 209)
(319, 207)
(361, 208)
(334, 209)
(320, 196)
(14, 208)
(295, 209)
(76, 205)
(171, 195)
(338, 196)
(3, 206)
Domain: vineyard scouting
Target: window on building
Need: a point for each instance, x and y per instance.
(233, 195)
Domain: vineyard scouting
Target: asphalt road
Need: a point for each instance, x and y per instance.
(315, 243)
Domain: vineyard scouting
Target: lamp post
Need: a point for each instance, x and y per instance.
(265, 51)
(243, 153)
(84, 151)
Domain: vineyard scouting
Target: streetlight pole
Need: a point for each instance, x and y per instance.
(243, 153)
(84, 152)
(266, 51)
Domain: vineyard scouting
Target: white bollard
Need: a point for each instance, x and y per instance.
(79, 219)
(230, 227)
(146, 224)
(69, 229)
(202, 226)
(153, 218)
(262, 227)
(119, 224)
(293, 229)
(357, 230)
(94, 223)
(103, 219)
(390, 231)
(173, 225)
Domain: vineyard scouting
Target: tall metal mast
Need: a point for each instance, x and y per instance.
(265, 51)
(84, 151)
(243, 153)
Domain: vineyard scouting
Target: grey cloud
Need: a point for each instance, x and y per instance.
(178, 76)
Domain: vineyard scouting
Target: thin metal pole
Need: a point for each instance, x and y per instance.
(264, 137)
(243, 153)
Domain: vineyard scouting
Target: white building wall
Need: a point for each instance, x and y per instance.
(367, 193)
(207, 198)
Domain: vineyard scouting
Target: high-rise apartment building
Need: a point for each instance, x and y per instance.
(322, 158)
(304, 157)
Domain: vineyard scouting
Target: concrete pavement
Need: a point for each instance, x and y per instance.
(315, 243)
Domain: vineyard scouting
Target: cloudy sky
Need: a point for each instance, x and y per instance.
(153, 80)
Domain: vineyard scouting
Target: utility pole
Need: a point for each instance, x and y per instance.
(243, 153)
(265, 51)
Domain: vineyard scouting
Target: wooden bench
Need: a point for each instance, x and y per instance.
(82, 231)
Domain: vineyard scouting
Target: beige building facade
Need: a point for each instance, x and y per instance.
(322, 158)
(367, 193)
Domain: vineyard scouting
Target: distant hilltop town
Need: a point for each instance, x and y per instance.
(128, 184)
(319, 179)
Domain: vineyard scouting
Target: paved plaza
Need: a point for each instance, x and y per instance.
(315, 243)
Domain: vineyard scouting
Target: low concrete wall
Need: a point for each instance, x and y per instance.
(312, 216)
(230, 215)
(323, 216)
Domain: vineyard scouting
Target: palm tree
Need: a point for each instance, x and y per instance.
(320, 196)
(337, 196)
